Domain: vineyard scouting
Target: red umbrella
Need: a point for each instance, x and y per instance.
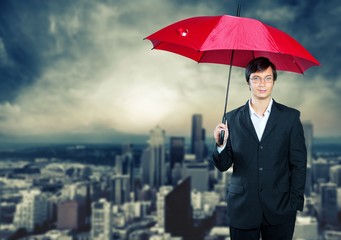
(213, 39)
(234, 41)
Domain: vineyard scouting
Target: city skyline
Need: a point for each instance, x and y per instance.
(125, 197)
(81, 69)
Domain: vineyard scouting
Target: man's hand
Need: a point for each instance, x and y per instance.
(216, 133)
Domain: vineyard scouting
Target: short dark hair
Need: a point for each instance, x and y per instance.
(259, 64)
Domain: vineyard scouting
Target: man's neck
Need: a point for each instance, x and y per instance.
(260, 105)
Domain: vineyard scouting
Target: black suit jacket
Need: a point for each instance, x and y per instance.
(268, 175)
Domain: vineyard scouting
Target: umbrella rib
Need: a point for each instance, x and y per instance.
(202, 55)
(297, 65)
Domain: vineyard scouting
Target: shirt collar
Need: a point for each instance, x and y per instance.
(267, 111)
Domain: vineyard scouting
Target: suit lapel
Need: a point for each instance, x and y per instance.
(272, 121)
(245, 119)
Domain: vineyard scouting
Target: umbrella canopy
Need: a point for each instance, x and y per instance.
(233, 41)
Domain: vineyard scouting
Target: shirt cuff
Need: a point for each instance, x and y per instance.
(220, 149)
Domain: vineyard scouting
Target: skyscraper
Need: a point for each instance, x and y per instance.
(101, 220)
(120, 189)
(146, 166)
(335, 175)
(161, 206)
(177, 150)
(328, 204)
(198, 137)
(32, 210)
(178, 210)
(124, 164)
(308, 135)
(68, 215)
(157, 157)
(199, 173)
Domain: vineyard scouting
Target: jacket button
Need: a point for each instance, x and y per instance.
(261, 190)
(260, 147)
(260, 169)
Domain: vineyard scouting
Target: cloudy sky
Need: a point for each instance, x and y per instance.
(82, 67)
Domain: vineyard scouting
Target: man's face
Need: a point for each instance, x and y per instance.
(261, 84)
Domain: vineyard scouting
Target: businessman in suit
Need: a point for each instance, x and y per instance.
(264, 144)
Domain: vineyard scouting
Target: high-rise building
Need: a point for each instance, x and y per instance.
(335, 175)
(327, 207)
(221, 215)
(32, 211)
(178, 210)
(146, 167)
(157, 157)
(176, 174)
(68, 215)
(308, 135)
(198, 137)
(199, 173)
(120, 189)
(174, 210)
(124, 164)
(160, 205)
(320, 170)
(177, 151)
(101, 220)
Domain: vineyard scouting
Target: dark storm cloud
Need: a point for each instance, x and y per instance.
(26, 43)
(20, 51)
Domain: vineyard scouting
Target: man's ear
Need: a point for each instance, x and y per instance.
(248, 84)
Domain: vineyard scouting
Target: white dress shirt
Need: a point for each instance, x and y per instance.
(259, 122)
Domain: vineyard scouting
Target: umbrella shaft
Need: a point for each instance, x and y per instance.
(228, 83)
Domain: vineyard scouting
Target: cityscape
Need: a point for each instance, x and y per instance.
(102, 136)
(163, 189)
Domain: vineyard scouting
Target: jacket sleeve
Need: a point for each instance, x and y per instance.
(298, 163)
(223, 161)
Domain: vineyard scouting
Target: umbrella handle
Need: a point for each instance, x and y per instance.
(221, 137)
(222, 132)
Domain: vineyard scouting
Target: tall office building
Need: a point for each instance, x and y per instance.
(198, 137)
(160, 205)
(328, 208)
(146, 167)
(221, 215)
(177, 151)
(101, 220)
(174, 210)
(178, 211)
(176, 174)
(320, 170)
(124, 165)
(32, 211)
(157, 148)
(335, 175)
(199, 173)
(120, 189)
(308, 135)
(68, 215)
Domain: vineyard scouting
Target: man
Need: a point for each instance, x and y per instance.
(264, 143)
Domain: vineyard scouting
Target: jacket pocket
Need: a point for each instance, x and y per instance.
(236, 189)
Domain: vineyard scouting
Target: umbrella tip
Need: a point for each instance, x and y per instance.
(238, 10)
